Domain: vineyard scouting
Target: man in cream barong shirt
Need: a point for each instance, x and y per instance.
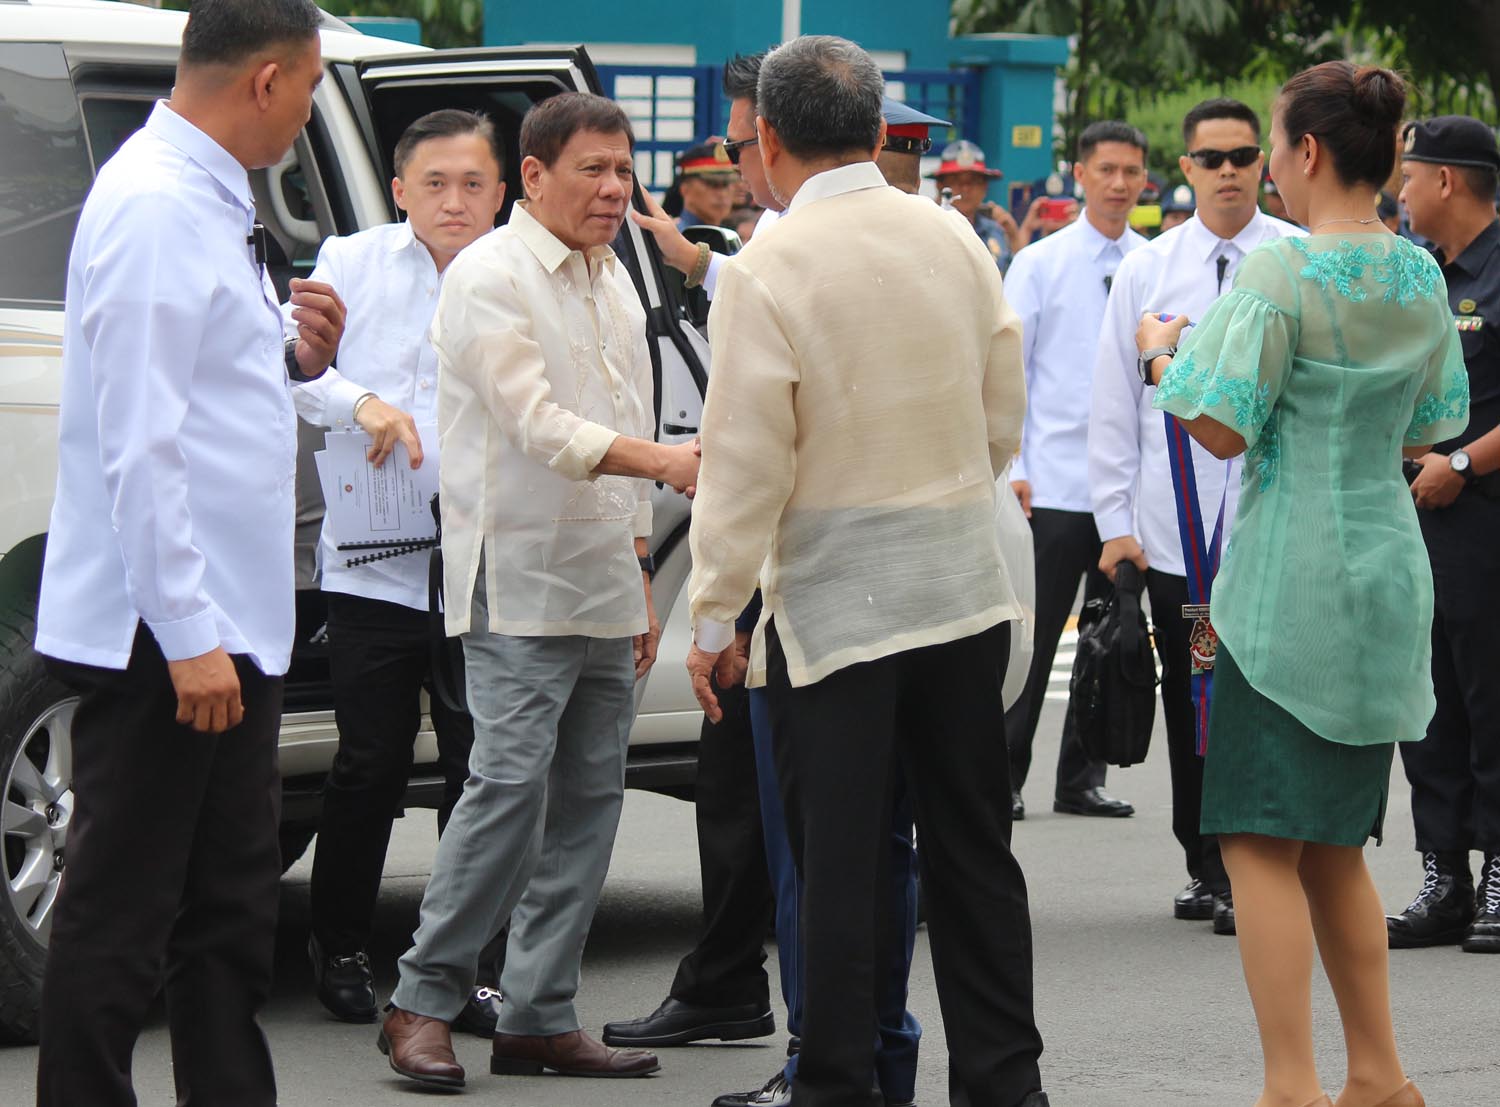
(545, 423)
(864, 461)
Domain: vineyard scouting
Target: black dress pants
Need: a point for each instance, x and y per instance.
(1167, 593)
(1455, 771)
(1067, 551)
(172, 873)
(380, 659)
(838, 743)
(727, 966)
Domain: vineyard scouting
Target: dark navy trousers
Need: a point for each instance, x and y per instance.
(899, 1031)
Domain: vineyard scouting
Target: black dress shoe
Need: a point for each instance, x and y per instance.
(1194, 902)
(345, 984)
(1092, 801)
(1484, 931)
(1017, 807)
(1224, 913)
(776, 1092)
(677, 1023)
(1444, 908)
(480, 1013)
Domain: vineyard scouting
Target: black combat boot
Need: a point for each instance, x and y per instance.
(1444, 908)
(1484, 932)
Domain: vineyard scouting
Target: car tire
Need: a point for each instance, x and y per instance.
(36, 802)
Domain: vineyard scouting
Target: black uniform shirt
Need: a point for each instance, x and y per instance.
(1474, 295)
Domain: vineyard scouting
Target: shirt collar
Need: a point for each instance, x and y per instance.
(1206, 244)
(550, 250)
(403, 237)
(1474, 255)
(1095, 242)
(218, 162)
(835, 182)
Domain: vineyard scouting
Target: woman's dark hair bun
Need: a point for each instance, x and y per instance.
(1353, 111)
(1379, 96)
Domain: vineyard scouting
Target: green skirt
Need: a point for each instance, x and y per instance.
(1266, 773)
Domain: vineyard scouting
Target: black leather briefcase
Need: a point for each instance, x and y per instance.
(1114, 674)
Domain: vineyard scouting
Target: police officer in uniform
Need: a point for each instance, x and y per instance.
(964, 173)
(1449, 168)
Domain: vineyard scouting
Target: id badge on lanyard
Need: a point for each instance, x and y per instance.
(1201, 559)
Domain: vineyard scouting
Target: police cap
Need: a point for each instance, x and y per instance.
(1451, 140)
(906, 127)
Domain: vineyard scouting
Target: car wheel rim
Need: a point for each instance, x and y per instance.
(35, 814)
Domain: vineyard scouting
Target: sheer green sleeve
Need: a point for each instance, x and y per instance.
(1442, 409)
(1233, 364)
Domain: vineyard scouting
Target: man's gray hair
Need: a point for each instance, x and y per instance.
(822, 95)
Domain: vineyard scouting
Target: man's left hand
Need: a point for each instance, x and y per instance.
(1437, 485)
(319, 315)
(646, 644)
(700, 667)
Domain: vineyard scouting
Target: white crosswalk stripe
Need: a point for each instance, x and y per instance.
(1062, 666)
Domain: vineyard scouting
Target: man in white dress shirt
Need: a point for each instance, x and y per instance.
(545, 419)
(871, 488)
(1058, 286)
(167, 592)
(450, 184)
(1180, 272)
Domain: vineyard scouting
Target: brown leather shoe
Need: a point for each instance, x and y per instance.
(571, 1054)
(1406, 1096)
(420, 1048)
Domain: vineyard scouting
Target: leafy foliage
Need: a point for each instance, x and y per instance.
(1131, 56)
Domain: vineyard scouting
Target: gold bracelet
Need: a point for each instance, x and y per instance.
(695, 278)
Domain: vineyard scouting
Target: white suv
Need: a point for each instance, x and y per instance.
(76, 78)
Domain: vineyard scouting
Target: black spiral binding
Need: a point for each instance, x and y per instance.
(387, 550)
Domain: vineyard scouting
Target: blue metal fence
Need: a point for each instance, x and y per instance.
(674, 106)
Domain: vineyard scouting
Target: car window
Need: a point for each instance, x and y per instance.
(110, 120)
(394, 106)
(44, 171)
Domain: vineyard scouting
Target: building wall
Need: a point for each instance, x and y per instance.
(1019, 71)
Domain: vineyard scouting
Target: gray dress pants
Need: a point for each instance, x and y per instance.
(530, 838)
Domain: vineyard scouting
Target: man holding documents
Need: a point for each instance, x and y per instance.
(449, 184)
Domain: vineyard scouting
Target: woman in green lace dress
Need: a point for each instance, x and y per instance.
(1330, 356)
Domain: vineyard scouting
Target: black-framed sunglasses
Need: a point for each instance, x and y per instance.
(1239, 157)
(733, 148)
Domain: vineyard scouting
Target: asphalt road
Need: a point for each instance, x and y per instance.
(1136, 1008)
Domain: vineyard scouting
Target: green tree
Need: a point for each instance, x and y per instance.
(1118, 44)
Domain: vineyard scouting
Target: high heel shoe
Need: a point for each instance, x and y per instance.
(1406, 1096)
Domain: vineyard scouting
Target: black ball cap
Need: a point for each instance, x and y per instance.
(1451, 140)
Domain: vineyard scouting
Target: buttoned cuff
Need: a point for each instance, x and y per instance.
(1114, 524)
(712, 637)
(181, 639)
(711, 278)
(583, 453)
(1018, 469)
(643, 519)
(343, 394)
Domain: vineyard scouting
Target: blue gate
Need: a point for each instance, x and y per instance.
(673, 106)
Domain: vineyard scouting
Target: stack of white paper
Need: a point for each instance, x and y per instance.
(366, 505)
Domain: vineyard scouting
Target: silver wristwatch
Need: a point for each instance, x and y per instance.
(1143, 362)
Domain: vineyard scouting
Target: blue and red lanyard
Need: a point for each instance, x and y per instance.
(1200, 559)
